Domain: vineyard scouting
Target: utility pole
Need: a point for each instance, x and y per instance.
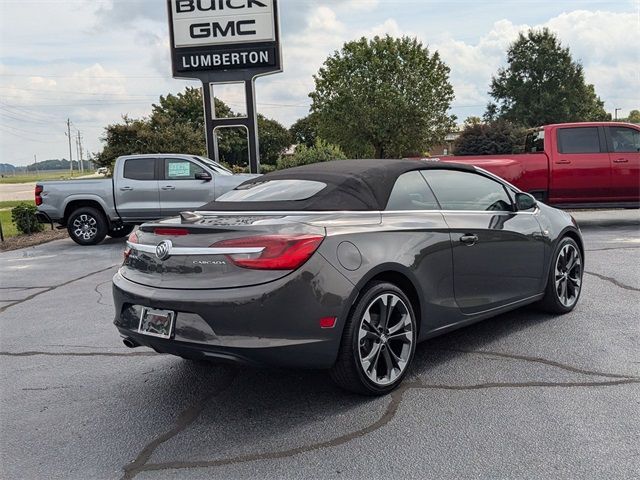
(70, 151)
(35, 163)
(78, 152)
(617, 110)
(81, 156)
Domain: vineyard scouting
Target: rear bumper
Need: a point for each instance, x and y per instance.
(42, 217)
(276, 324)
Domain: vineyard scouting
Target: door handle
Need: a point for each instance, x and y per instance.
(169, 187)
(126, 189)
(469, 239)
(621, 160)
(563, 162)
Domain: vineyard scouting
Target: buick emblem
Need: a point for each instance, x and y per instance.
(163, 250)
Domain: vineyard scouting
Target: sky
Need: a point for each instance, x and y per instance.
(94, 61)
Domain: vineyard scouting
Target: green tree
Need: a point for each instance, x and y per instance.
(542, 84)
(305, 131)
(321, 151)
(274, 140)
(470, 121)
(495, 138)
(634, 117)
(176, 125)
(383, 97)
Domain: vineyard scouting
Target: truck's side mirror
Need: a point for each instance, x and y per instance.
(524, 201)
(206, 176)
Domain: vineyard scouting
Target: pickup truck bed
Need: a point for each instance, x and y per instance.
(578, 165)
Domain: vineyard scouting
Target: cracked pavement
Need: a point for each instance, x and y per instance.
(523, 395)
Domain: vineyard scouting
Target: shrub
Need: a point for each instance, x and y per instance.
(320, 152)
(495, 138)
(24, 216)
(264, 168)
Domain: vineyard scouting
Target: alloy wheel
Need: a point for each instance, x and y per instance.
(85, 227)
(568, 275)
(385, 339)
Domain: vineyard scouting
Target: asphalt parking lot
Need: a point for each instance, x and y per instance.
(524, 395)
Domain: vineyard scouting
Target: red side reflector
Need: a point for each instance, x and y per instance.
(328, 322)
(171, 232)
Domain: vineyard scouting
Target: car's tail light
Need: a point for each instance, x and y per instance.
(39, 191)
(133, 238)
(281, 252)
(171, 232)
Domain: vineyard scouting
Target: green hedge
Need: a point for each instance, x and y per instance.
(24, 217)
(320, 152)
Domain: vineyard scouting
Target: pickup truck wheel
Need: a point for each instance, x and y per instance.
(87, 226)
(121, 232)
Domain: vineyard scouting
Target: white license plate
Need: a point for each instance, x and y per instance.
(157, 323)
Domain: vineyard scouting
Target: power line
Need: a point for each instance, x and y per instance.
(31, 139)
(80, 93)
(27, 131)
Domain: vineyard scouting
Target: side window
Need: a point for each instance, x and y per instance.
(140, 169)
(178, 169)
(625, 140)
(579, 140)
(411, 192)
(468, 191)
(534, 142)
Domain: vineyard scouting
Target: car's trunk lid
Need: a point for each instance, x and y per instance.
(213, 251)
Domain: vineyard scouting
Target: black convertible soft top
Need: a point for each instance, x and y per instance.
(354, 185)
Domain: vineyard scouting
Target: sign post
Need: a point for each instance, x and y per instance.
(226, 41)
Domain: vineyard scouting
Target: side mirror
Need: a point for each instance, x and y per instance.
(524, 201)
(206, 176)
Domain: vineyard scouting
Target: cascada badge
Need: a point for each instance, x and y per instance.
(210, 35)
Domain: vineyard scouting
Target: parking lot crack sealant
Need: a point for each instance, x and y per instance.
(186, 418)
(543, 361)
(614, 281)
(55, 287)
(79, 354)
(388, 415)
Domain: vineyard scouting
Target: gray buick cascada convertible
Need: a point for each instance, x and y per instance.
(344, 266)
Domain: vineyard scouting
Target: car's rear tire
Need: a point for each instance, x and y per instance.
(87, 226)
(378, 343)
(564, 284)
(121, 232)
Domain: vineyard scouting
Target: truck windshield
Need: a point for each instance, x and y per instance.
(534, 142)
(215, 166)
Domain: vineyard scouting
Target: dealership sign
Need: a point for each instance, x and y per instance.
(223, 42)
(222, 35)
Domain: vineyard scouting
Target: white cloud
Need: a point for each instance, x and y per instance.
(604, 42)
(99, 59)
(366, 5)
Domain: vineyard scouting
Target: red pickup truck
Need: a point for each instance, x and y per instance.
(573, 165)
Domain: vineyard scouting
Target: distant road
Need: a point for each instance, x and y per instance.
(25, 191)
(17, 191)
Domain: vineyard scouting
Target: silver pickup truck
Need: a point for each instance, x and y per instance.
(143, 188)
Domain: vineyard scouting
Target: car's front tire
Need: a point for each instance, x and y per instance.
(564, 284)
(378, 342)
(87, 226)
